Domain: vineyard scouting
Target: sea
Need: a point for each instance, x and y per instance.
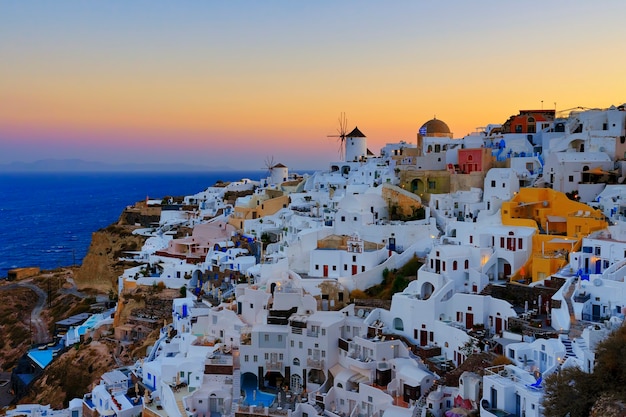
(46, 219)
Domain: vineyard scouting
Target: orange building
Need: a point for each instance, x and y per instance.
(561, 224)
(528, 121)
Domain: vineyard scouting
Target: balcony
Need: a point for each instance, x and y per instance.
(315, 363)
(273, 366)
(582, 298)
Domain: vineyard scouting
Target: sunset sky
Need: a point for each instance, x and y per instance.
(230, 83)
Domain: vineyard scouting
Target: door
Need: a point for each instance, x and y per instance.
(469, 320)
(595, 312)
(354, 270)
(498, 324)
(423, 337)
(507, 271)
(325, 270)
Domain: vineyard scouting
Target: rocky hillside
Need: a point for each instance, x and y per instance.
(101, 267)
(73, 374)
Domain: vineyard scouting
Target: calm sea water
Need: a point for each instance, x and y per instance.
(46, 219)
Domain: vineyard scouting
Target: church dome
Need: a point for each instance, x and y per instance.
(435, 127)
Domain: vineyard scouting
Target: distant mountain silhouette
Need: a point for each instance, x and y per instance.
(79, 165)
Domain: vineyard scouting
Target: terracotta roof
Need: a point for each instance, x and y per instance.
(356, 133)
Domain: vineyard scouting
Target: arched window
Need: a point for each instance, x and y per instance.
(296, 362)
(467, 264)
(454, 265)
(398, 324)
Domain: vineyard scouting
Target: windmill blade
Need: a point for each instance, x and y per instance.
(269, 164)
(341, 132)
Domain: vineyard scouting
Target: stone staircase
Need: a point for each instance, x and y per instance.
(575, 328)
(487, 290)
(234, 405)
(236, 384)
(421, 403)
(181, 407)
(569, 352)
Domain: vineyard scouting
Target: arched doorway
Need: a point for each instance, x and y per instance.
(417, 186)
(426, 290)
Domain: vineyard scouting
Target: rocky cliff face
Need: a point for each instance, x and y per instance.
(101, 267)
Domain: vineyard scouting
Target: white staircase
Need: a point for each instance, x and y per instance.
(236, 385)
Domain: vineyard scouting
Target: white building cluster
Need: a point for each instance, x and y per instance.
(285, 339)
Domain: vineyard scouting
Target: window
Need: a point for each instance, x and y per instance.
(267, 356)
(493, 184)
(466, 263)
(251, 305)
(323, 332)
(571, 178)
(280, 337)
(454, 265)
(266, 337)
(353, 258)
(334, 267)
(345, 267)
(296, 361)
(323, 354)
(354, 218)
(317, 267)
(246, 358)
(432, 185)
(300, 345)
(363, 269)
(343, 218)
(291, 343)
(280, 356)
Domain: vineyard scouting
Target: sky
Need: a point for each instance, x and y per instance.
(235, 83)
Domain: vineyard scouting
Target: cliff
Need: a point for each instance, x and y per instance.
(101, 267)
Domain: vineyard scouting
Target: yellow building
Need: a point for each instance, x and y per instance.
(561, 224)
(258, 205)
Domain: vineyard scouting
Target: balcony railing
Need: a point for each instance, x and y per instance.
(273, 366)
(315, 363)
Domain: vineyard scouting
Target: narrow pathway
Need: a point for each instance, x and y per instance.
(38, 326)
(575, 327)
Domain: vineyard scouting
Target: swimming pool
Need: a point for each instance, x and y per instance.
(255, 396)
(41, 357)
